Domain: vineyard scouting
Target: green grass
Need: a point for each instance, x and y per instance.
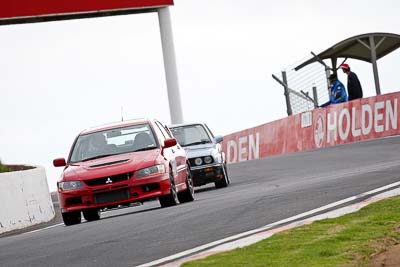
(3, 168)
(349, 240)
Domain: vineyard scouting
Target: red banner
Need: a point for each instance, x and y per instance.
(19, 11)
(358, 120)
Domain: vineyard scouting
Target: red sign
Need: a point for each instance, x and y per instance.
(358, 120)
(24, 11)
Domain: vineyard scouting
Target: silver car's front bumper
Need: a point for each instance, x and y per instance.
(205, 174)
(206, 166)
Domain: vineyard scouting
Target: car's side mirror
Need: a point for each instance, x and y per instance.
(60, 162)
(218, 139)
(170, 143)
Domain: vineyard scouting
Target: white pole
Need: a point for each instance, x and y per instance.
(374, 65)
(167, 40)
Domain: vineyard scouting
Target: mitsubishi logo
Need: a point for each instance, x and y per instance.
(319, 132)
(109, 181)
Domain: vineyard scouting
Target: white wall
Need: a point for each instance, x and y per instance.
(24, 199)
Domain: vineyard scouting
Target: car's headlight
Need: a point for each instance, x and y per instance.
(153, 170)
(208, 160)
(198, 161)
(70, 185)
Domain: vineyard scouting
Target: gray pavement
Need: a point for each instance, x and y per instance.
(261, 192)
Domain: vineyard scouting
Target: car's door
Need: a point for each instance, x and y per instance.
(176, 155)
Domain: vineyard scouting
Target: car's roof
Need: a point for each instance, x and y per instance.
(114, 125)
(185, 124)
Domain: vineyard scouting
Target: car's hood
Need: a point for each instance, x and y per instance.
(112, 165)
(200, 150)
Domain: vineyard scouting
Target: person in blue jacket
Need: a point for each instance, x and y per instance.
(337, 92)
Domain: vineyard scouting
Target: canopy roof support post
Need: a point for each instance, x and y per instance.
(315, 96)
(171, 73)
(374, 64)
(287, 94)
(334, 63)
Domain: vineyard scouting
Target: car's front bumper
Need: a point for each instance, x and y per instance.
(207, 173)
(112, 195)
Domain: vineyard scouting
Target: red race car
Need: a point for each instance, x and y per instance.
(119, 164)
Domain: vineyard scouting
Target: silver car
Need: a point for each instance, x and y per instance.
(207, 161)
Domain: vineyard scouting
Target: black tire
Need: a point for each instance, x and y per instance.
(71, 218)
(172, 198)
(91, 215)
(224, 182)
(226, 173)
(188, 194)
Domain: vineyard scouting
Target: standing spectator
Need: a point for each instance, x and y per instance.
(353, 84)
(337, 92)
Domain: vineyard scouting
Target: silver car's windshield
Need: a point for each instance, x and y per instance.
(112, 142)
(191, 135)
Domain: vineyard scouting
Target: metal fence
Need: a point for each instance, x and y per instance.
(304, 89)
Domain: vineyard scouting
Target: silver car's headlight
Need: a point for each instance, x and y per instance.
(69, 185)
(198, 161)
(153, 170)
(208, 160)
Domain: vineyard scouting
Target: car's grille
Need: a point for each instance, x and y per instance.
(112, 196)
(73, 201)
(109, 179)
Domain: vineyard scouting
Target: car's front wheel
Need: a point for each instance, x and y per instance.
(188, 194)
(224, 182)
(91, 215)
(71, 218)
(172, 198)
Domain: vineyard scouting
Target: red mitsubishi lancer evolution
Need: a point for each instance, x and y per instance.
(122, 163)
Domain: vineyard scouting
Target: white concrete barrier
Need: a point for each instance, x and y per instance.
(24, 199)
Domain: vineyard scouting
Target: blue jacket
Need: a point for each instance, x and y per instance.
(337, 94)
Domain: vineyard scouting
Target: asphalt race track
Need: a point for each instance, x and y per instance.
(261, 192)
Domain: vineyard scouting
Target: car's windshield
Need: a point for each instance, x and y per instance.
(112, 142)
(191, 135)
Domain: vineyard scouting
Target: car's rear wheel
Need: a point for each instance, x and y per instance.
(91, 215)
(188, 194)
(224, 182)
(71, 218)
(172, 198)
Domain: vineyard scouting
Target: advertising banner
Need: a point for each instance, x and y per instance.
(358, 120)
(25, 11)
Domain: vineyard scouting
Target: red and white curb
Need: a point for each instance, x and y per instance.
(256, 235)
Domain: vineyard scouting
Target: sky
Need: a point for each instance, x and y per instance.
(59, 78)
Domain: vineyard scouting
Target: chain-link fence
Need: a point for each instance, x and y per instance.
(304, 89)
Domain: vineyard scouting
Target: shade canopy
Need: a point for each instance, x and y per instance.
(366, 47)
(358, 47)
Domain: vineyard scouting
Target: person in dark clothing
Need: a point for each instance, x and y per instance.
(353, 84)
(337, 92)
